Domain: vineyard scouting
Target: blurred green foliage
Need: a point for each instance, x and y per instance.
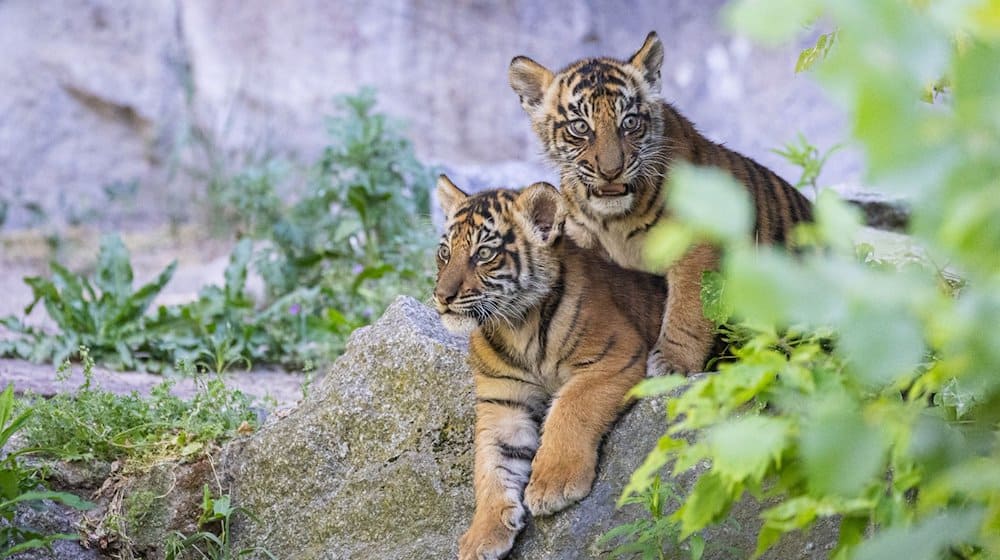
(809, 158)
(331, 256)
(862, 389)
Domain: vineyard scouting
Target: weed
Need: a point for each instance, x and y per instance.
(19, 485)
(101, 312)
(210, 545)
(95, 424)
(656, 537)
(331, 261)
(808, 157)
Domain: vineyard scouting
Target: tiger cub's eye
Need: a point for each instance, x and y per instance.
(630, 123)
(444, 253)
(579, 127)
(486, 254)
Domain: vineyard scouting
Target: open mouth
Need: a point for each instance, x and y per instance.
(611, 190)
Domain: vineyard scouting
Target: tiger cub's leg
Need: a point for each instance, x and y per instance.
(506, 440)
(686, 336)
(582, 412)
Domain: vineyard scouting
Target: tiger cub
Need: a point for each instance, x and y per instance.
(614, 140)
(560, 335)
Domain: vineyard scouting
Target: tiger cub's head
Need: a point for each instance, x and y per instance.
(599, 122)
(497, 259)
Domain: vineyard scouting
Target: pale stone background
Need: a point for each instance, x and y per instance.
(94, 92)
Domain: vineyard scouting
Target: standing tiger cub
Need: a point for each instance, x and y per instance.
(614, 141)
(560, 335)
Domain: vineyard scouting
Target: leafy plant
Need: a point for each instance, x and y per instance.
(331, 261)
(101, 312)
(20, 486)
(247, 200)
(858, 390)
(361, 205)
(210, 545)
(91, 423)
(816, 53)
(809, 158)
(655, 537)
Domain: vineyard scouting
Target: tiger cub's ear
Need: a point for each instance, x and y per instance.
(541, 208)
(529, 80)
(648, 59)
(449, 196)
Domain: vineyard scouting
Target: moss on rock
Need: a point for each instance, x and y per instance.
(378, 457)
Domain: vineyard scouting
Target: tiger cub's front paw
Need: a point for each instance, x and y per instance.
(659, 364)
(491, 534)
(558, 481)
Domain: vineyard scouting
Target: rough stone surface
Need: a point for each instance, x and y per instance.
(882, 212)
(379, 457)
(44, 379)
(101, 91)
(575, 532)
(50, 518)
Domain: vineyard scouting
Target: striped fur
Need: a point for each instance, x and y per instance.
(601, 121)
(560, 335)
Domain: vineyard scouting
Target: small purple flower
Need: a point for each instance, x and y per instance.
(294, 309)
(356, 269)
(367, 313)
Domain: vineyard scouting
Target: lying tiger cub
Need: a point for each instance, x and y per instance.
(560, 335)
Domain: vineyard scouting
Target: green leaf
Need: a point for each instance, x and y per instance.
(708, 500)
(710, 200)
(10, 482)
(371, 273)
(666, 243)
(852, 532)
(743, 449)
(838, 222)
(660, 385)
(842, 453)
(139, 302)
(236, 270)
(881, 344)
(697, 544)
(40, 542)
(714, 303)
(114, 268)
(757, 18)
(792, 514)
(926, 540)
(66, 498)
(650, 468)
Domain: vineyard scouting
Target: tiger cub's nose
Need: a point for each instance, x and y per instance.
(445, 296)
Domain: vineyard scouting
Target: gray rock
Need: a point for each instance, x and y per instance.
(92, 96)
(50, 518)
(377, 460)
(575, 533)
(882, 212)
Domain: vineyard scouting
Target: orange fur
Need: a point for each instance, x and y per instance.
(614, 141)
(561, 335)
